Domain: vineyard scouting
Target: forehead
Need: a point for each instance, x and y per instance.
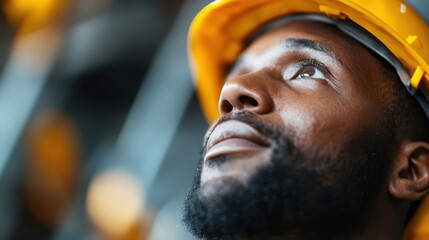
(314, 38)
(323, 33)
(300, 36)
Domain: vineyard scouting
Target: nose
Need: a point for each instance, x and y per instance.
(246, 92)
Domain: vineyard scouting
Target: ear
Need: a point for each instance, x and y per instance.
(410, 173)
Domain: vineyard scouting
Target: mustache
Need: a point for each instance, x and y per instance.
(269, 131)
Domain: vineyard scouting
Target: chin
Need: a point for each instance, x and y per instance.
(220, 185)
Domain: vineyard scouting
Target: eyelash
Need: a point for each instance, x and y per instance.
(312, 63)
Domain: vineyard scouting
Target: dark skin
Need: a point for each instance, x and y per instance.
(321, 87)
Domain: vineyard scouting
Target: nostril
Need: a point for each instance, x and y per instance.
(227, 107)
(245, 100)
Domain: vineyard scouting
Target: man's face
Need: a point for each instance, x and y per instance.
(302, 139)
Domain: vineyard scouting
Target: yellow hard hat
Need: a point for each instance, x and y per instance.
(392, 29)
(219, 32)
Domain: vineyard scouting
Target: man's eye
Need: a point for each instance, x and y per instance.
(310, 72)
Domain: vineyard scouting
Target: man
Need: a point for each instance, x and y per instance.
(318, 138)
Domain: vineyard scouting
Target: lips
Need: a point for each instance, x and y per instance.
(233, 137)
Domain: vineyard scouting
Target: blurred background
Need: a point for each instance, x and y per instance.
(100, 130)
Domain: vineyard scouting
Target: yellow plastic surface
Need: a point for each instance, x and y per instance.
(417, 77)
(418, 228)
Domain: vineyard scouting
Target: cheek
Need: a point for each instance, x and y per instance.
(320, 126)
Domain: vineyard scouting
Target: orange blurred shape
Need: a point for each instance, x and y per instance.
(30, 15)
(418, 228)
(115, 206)
(53, 158)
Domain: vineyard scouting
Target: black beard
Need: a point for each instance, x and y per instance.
(297, 194)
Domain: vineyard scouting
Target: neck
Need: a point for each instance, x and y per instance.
(384, 222)
(386, 219)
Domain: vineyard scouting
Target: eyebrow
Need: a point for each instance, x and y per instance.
(300, 43)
